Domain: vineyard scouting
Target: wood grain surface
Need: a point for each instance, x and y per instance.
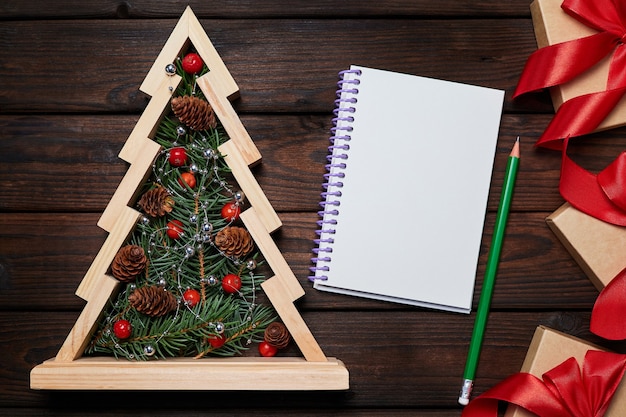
(69, 78)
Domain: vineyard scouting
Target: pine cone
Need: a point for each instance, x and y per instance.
(234, 241)
(153, 301)
(277, 335)
(194, 112)
(156, 202)
(129, 262)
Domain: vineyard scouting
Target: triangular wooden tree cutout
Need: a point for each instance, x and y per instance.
(70, 370)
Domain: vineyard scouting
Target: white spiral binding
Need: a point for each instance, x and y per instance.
(338, 154)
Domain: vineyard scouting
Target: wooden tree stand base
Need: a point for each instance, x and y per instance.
(69, 371)
(234, 374)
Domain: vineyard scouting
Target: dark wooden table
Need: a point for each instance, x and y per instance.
(69, 79)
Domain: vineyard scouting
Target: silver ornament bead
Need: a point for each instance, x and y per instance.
(239, 196)
(194, 168)
(170, 69)
(149, 350)
(219, 327)
(207, 227)
(189, 251)
(209, 153)
(193, 218)
(251, 264)
(180, 130)
(211, 280)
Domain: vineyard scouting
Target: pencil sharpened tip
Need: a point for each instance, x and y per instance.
(515, 150)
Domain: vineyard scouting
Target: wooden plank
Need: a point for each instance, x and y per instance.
(41, 156)
(239, 374)
(267, 8)
(285, 82)
(52, 252)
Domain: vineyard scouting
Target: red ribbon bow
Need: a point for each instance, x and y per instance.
(564, 391)
(557, 64)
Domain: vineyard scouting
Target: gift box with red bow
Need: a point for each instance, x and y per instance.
(562, 376)
(582, 53)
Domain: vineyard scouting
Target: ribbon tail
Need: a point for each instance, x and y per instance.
(609, 310)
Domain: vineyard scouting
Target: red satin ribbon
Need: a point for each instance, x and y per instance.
(602, 196)
(564, 391)
(556, 64)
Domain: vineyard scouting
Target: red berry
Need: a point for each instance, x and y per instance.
(187, 178)
(122, 329)
(175, 229)
(267, 350)
(231, 283)
(192, 63)
(191, 297)
(217, 340)
(178, 157)
(231, 211)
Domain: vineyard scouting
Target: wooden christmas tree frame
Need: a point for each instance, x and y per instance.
(70, 371)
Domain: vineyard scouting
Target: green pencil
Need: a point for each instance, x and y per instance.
(490, 275)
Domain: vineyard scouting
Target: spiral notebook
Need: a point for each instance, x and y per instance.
(406, 188)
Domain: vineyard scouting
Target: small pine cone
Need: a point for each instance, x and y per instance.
(194, 112)
(156, 202)
(234, 241)
(277, 335)
(153, 301)
(129, 262)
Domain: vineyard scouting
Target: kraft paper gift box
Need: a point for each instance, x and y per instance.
(598, 247)
(552, 25)
(550, 348)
